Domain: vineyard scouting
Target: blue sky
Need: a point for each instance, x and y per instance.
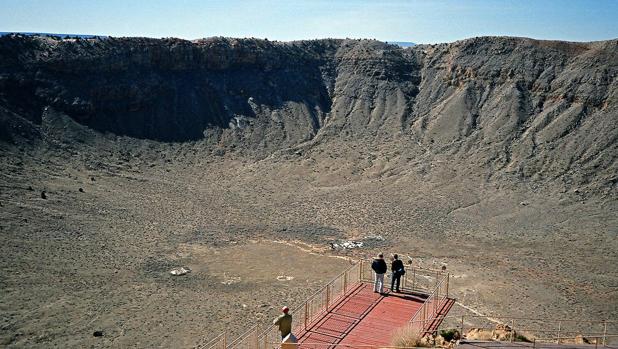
(420, 21)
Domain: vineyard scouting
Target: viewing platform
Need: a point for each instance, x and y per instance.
(364, 319)
(347, 313)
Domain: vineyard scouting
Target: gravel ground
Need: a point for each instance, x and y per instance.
(257, 234)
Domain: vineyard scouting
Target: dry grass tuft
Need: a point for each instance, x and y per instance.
(406, 337)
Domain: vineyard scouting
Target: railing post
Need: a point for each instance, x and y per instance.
(437, 279)
(360, 271)
(534, 343)
(265, 340)
(512, 329)
(558, 337)
(327, 296)
(413, 279)
(462, 327)
(435, 304)
(257, 336)
(306, 313)
(345, 281)
(604, 331)
(448, 278)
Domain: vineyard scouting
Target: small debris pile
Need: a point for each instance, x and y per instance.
(230, 280)
(285, 278)
(353, 244)
(346, 245)
(180, 271)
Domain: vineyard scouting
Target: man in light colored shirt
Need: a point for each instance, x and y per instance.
(284, 321)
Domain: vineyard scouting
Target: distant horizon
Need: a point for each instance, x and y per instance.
(421, 22)
(400, 43)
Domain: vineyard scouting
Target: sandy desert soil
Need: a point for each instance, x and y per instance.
(257, 234)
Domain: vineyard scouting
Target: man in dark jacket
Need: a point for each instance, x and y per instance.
(398, 270)
(379, 267)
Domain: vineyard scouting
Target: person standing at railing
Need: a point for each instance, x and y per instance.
(379, 267)
(397, 269)
(284, 321)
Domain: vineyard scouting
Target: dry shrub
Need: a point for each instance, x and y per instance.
(479, 334)
(406, 337)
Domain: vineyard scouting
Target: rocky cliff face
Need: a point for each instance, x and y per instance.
(531, 108)
(168, 90)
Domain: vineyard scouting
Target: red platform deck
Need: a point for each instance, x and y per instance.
(362, 318)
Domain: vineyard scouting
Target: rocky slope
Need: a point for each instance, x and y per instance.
(511, 106)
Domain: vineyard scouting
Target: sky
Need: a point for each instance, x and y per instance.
(419, 21)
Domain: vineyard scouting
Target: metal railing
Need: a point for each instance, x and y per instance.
(219, 342)
(596, 340)
(429, 311)
(310, 311)
(419, 281)
(529, 329)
